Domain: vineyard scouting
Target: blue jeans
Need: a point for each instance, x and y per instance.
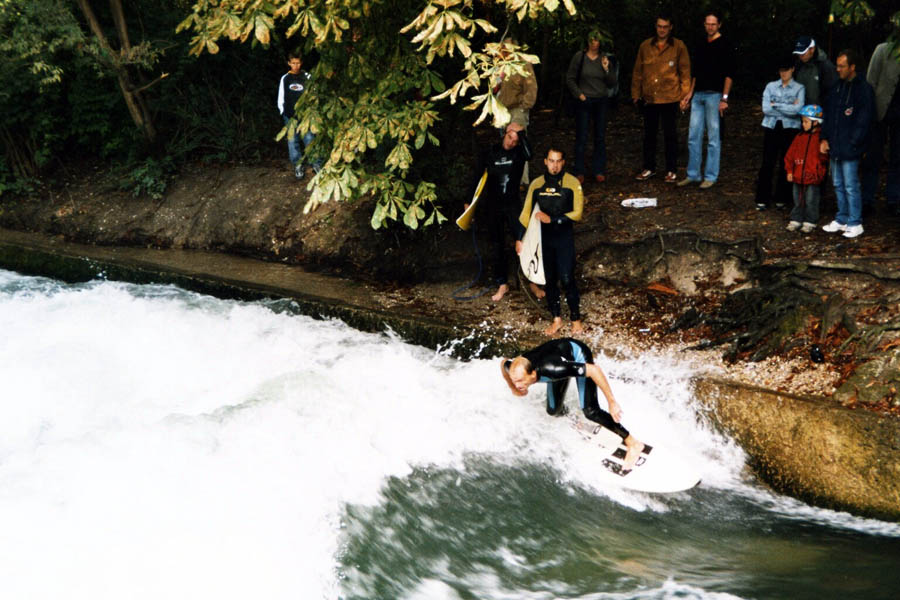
(595, 108)
(295, 151)
(806, 203)
(704, 115)
(845, 175)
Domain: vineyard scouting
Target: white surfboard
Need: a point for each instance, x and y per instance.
(532, 257)
(657, 470)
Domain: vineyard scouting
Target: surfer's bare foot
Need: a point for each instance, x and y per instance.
(536, 290)
(633, 453)
(577, 327)
(555, 326)
(501, 291)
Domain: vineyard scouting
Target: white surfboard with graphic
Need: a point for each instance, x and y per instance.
(532, 257)
(657, 470)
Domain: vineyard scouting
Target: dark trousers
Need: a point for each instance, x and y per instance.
(871, 163)
(501, 250)
(559, 267)
(776, 142)
(596, 109)
(652, 115)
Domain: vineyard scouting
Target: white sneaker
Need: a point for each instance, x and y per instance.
(853, 231)
(793, 226)
(808, 227)
(834, 227)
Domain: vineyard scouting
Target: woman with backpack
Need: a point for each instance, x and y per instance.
(590, 79)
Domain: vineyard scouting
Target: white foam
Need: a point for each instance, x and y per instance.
(156, 443)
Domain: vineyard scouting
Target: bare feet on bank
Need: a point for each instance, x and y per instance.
(536, 290)
(501, 291)
(555, 326)
(633, 452)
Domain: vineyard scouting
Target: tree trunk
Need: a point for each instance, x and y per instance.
(133, 100)
(19, 152)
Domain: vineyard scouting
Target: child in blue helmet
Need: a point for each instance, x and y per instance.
(806, 166)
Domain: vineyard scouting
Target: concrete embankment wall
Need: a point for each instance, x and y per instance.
(808, 448)
(812, 448)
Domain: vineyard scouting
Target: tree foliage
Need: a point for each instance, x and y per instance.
(371, 102)
(397, 84)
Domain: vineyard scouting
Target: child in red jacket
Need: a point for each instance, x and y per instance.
(806, 167)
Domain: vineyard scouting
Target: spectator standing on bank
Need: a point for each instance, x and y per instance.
(712, 66)
(806, 167)
(660, 80)
(849, 111)
(813, 70)
(590, 78)
(883, 76)
(781, 103)
(518, 93)
(291, 86)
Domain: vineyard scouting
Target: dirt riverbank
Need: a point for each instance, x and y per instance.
(701, 267)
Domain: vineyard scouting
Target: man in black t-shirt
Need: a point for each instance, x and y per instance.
(555, 363)
(713, 67)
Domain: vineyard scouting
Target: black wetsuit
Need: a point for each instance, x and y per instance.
(500, 198)
(556, 362)
(560, 197)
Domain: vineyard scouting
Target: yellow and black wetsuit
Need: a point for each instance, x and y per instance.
(560, 197)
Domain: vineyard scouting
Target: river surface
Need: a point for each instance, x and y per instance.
(159, 444)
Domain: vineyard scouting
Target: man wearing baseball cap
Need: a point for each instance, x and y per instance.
(814, 71)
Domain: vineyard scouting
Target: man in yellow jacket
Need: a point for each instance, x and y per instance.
(661, 79)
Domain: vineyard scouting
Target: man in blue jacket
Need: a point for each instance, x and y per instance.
(849, 109)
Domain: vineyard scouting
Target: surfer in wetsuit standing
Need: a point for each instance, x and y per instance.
(504, 163)
(555, 363)
(559, 195)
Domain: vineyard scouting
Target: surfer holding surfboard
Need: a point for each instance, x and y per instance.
(555, 363)
(503, 163)
(561, 202)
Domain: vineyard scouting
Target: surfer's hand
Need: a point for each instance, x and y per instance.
(465, 207)
(518, 246)
(615, 411)
(543, 217)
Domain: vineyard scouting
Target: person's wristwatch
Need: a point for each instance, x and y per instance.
(725, 98)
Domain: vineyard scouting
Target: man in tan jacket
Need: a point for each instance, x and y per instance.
(518, 94)
(661, 79)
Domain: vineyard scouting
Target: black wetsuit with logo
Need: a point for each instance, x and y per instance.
(500, 199)
(556, 362)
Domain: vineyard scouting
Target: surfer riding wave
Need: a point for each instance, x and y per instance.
(555, 363)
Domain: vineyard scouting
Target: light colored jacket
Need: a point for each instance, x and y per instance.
(661, 76)
(782, 103)
(883, 75)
